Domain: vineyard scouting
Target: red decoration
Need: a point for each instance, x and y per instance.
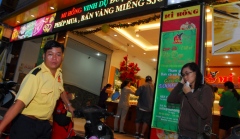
(128, 70)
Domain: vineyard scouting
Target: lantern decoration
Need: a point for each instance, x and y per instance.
(105, 28)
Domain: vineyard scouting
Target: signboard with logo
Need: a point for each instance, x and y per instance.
(34, 28)
(216, 76)
(179, 45)
(97, 12)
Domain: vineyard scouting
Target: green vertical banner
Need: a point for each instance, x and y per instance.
(44, 40)
(179, 44)
(177, 49)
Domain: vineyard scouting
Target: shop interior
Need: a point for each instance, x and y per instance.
(140, 40)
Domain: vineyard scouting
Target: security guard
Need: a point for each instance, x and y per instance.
(37, 97)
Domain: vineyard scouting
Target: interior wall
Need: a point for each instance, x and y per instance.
(81, 71)
(27, 58)
(99, 48)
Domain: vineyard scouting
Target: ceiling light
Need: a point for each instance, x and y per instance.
(136, 41)
(115, 35)
(208, 44)
(144, 53)
(64, 37)
(18, 21)
(154, 59)
(32, 15)
(209, 18)
(229, 63)
(137, 35)
(207, 10)
(132, 45)
(52, 8)
(226, 56)
(231, 68)
(98, 54)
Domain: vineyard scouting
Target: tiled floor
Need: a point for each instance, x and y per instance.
(79, 128)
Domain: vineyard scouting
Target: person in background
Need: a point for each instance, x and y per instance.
(144, 106)
(123, 106)
(216, 96)
(62, 126)
(37, 97)
(104, 94)
(196, 101)
(231, 105)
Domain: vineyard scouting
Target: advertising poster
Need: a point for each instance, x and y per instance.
(38, 28)
(48, 23)
(15, 34)
(226, 28)
(179, 45)
(30, 27)
(34, 28)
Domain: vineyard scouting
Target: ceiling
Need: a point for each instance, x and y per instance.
(143, 47)
(126, 39)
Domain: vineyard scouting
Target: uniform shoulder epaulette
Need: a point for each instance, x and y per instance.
(36, 71)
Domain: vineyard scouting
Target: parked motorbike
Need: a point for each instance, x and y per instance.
(235, 132)
(7, 97)
(7, 94)
(94, 127)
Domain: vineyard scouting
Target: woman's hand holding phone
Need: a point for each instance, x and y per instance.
(186, 88)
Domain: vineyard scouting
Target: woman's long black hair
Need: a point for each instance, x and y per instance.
(124, 83)
(230, 85)
(199, 77)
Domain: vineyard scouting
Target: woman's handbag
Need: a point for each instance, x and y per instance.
(207, 131)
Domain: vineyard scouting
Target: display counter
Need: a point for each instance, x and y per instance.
(131, 116)
(129, 126)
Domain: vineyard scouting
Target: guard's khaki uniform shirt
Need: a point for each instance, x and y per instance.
(39, 92)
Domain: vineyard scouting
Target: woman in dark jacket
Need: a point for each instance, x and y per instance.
(196, 100)
(104, 94)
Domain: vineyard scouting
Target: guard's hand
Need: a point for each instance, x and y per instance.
(71, 109)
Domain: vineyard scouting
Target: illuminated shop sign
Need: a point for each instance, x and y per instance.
(34, 28)
(215, 80)
(97, 12)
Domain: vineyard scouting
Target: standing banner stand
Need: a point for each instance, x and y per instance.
(181, 41)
